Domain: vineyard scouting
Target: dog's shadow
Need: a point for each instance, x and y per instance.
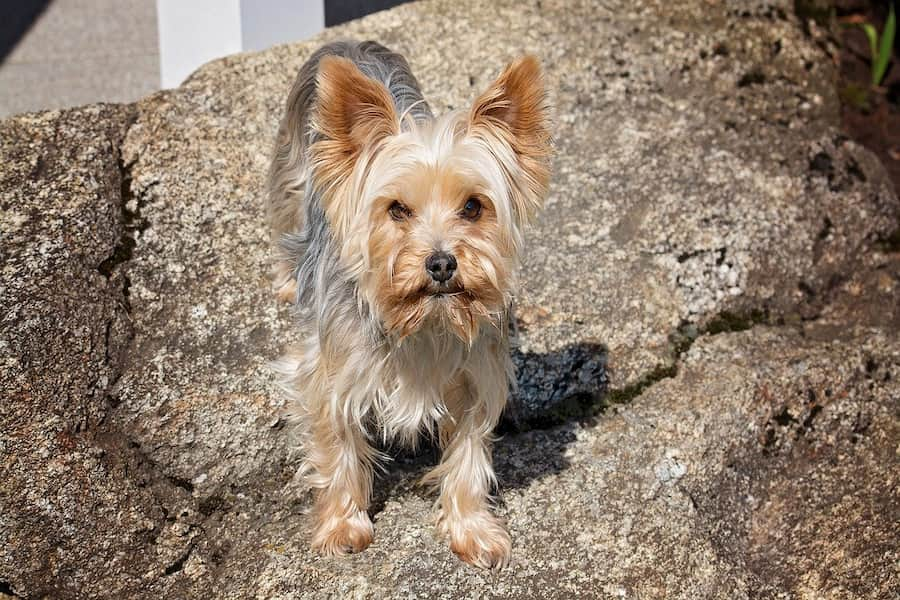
(555, 390)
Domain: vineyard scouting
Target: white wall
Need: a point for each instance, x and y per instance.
(265, 23)
(193, 32)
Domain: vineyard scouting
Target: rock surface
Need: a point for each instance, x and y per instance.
(700, 187)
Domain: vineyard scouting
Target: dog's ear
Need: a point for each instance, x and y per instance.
(515, 109)
(353, 113)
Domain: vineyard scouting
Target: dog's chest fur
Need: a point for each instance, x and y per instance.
(425, 370)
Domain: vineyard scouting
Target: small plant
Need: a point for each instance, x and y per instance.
(880, 48)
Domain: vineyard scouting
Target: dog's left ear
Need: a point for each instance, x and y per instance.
(515, 111)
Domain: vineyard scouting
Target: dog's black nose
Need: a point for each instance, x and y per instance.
(441, 266)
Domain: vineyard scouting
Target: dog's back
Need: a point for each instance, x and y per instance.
(288, 197)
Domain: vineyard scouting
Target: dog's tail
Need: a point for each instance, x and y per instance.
(289, 171)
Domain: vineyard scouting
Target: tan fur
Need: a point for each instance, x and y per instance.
(399, 283)
(284, 216)
(354, 114)
(514, 109)
(465, 478)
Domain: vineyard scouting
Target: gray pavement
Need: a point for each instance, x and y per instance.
(82, 51)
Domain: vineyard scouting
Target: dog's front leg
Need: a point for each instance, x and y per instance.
(465, 476)
(341, 460)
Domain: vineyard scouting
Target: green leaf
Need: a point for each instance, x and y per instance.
(883, 57)
(872, 34)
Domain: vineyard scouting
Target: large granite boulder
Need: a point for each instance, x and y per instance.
(701, 187)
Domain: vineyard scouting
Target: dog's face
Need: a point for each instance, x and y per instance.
(429, 215)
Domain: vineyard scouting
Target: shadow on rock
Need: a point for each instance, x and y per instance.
(553, 389)
(556, 387)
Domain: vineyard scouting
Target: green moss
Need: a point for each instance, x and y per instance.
(629, 393)
(585, 406)
(727, 322)
(682, 338)
(576, 406)
(855, 96)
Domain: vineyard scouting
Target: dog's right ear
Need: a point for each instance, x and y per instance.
(353, 113)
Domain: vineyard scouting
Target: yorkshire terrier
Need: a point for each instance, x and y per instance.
(396, 236)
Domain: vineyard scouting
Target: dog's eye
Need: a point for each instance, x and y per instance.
(471, 210)
(399, 212)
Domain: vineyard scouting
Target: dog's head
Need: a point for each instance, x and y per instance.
(429, 215)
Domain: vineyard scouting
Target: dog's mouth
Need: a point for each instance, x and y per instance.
(438, 291)
(442, 289)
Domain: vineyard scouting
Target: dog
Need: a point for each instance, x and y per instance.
(396, 236)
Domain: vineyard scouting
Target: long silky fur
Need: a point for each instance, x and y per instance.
(350, 378)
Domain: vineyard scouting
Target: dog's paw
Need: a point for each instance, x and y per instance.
(286, 291)
(337, 536)
(480, 540)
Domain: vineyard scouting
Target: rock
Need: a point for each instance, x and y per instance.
(752, 473)
(61, 186)
(73, 511)
(677, 195)
(700, 187)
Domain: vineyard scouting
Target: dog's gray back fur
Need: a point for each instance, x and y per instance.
(300, 231)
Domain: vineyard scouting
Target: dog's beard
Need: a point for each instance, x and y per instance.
(405, 299)
(448, 307)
